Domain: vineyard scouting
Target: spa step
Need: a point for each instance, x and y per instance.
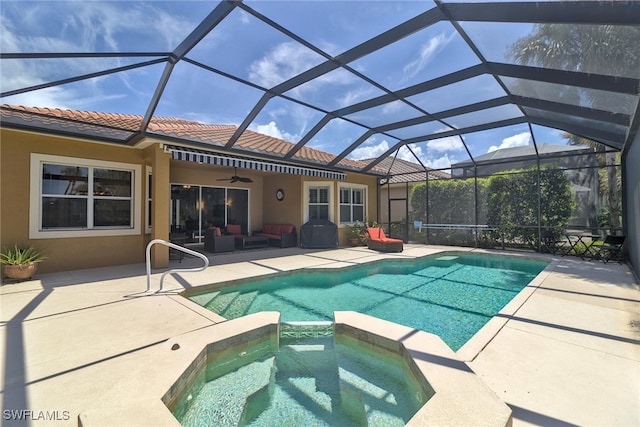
(232, 304)
(231, 393)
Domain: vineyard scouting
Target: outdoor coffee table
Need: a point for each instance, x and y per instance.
(252, 242)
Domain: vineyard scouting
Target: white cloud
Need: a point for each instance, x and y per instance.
(451, 143)
(427, 52)
(441, 162)
(405, 154)
(283, 62)
(72, 27)
(370, 151)
(272, 129)
(518, 140)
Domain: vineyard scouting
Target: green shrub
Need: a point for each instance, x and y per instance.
(17, 256)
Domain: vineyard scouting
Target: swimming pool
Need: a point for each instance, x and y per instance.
(449, 294)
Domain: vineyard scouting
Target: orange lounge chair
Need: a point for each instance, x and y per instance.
(378, 241)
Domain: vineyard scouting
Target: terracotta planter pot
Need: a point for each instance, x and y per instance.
(19, 272)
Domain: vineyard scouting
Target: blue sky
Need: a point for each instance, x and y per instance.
(244, 46)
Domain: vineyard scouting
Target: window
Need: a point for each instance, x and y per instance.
(352, 200)
(318, 203)
(78, 197)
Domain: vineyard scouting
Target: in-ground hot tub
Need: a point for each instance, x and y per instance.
(370, 372)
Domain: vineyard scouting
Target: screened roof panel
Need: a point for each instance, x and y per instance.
(458, 94)
(607, 132)
(513, 43)
(442, 152)
(206, 97)
(350, 78)
(72, 26)
(483, 142)
(337, 133)
(433, 52)
(334, 90)
(263, 56)
(285, 119)
(566, 94)
(334, 26)
(111, 93)
(487, 115)
(49, 71)
(419, 130)
(384, 114)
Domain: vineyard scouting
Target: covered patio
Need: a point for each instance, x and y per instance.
(568, 355)
(124, 121)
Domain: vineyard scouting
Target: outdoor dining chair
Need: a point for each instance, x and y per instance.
(611, 249)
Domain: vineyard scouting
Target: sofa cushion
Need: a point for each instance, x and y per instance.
(216, 231)
(271, 236)
(287, 228)
(234, 229)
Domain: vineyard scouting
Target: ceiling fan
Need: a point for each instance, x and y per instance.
(236, 178)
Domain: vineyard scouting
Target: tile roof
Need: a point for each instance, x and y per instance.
(120, 127)
(405, 171)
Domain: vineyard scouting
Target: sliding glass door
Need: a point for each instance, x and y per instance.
(195, 208)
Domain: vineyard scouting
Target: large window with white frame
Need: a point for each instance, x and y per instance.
(318, 200)
(352, 203)
(318, 203)
(80, 197)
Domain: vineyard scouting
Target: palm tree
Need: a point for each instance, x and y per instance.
(602, 49)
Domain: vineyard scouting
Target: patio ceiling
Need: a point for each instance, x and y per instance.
(432, 82)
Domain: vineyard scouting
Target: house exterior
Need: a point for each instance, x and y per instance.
(88, 191)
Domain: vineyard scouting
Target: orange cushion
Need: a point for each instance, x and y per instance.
(376, 233)
(234, 229)
(287, 229)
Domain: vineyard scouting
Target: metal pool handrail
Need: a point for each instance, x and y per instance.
(174, 270)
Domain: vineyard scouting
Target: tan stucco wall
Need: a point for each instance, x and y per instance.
(288, 210)
(63, 254)
(90, 252)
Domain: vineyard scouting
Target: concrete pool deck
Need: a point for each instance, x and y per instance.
(569, 355)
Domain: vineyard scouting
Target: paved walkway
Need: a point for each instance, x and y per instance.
(569, 356)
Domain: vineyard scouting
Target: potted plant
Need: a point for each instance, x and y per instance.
(19, 263)
(356, 233)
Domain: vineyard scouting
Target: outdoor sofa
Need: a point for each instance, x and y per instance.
(280, 235)
(215, 241)
(378, 241)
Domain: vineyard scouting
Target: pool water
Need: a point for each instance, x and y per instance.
(318, 381)
(451, 295)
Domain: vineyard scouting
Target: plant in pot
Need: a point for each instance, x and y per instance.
(20, 263)
(356, 233)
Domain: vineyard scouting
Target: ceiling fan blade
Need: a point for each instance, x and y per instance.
(241, 179)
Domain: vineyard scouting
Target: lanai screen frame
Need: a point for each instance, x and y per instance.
(612, 129)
